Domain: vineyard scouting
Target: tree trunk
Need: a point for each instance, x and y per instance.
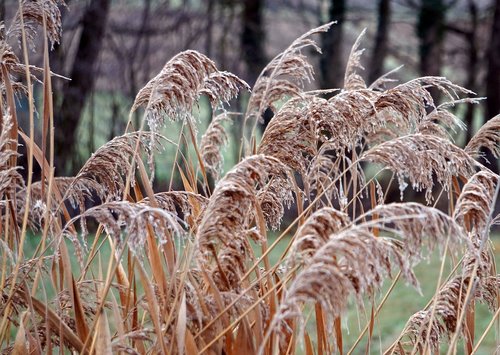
(76, 91)
(493, 77)
(430, 31)
(331, 63)
(472, 65)
(253, 38)
(381, 41)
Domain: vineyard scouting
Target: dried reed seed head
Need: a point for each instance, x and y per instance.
(440, 123)
(110, 164)
(224, 228)
(488, 291)
(33, 13)
(174, 91)
(211, 143)
(317, 230)
(285, 75)
(476, 201)
(10, 179)
(488, 137)
(407, 103)
(445, 312)
(352, 262)
(273, 198)
(135, 219)
(293, 132)
(266, 92)
(419, 227)
(419, 158)
(185, 205)
(81, 191)
(352, 80)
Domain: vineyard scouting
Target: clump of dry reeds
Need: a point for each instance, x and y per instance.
(190, 272)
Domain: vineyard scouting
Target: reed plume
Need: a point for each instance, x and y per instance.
(284, 76)
(488, 137)
(173, 92)
(33, 14)
(223, 233)
(211, 143)
(419, 158)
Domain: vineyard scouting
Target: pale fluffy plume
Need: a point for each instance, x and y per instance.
(273, 198)
(33, 13)
(212, 142)
(10, 179)
(417, 225)
(292, 135)
(284, 75)
(109, 165)
(477, 200)
(406, 104)
(317, 229)
(419, 157)
(134, 219)
(445, 312)
(352, 80)
(488, 137)
(187, 206)
(174, 91)
(81, 191)
(225, 227)
(352, 262)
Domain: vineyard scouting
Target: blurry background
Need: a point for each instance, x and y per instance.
(112, 48)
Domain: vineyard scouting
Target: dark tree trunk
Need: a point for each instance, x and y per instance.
(381, 41)
(472, 65)
(253, 38)
(430, 31)
(76, 91)
(493, 76)
(210, 26)
(331, 62)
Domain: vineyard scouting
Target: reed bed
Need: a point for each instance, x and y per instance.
(190, 271)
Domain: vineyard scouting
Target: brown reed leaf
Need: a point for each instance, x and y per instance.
(224, 230)
(419, 158)
(488, 137)
(174, 91)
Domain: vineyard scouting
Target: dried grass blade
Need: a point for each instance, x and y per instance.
(181, 326)
(20, 342)
(154, 309)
